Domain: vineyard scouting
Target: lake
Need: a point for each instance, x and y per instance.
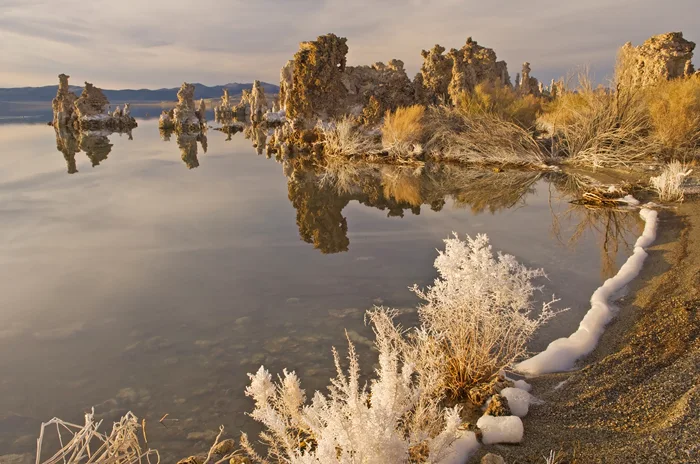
(144, 274)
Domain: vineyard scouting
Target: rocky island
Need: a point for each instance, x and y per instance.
(90, 111)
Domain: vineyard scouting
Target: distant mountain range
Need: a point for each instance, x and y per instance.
(116, 97)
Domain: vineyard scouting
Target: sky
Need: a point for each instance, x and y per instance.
(159, 43)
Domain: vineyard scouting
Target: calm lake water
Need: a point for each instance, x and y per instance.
(142, 276)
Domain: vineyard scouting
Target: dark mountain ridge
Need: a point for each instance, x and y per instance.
(46, 93)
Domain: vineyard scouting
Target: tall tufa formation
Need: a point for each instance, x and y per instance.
(528, 85)
(258, 101)
(318, 84)
(62, 104)
(445, 76)
(661, 57)
(184, 117)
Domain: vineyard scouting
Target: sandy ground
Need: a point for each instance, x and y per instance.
(637, 400)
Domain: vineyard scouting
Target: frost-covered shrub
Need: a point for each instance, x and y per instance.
(669, 184)
(344, 138)
(476, 322)
(478, 317)
(352, 423)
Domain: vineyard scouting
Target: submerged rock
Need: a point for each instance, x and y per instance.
(661, 57)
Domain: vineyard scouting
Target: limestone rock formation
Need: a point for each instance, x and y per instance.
(286, 76)
(446, 76)
(62, 104)
(201, 112)
(318, 84)
(664, 56)
(258, 101)
(528, 85)
(89, 111)
(184, 117)
(224, 112)
(92, 104)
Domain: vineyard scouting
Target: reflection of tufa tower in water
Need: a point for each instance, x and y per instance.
(188, 147)
(67, 144)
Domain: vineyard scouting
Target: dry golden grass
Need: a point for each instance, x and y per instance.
(501, 101)
(480, 138)
(674, 108)
(403, 130)
(601, 128)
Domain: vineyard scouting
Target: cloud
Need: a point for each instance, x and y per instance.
(159, 43)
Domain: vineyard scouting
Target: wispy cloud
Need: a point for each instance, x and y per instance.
(156, 43)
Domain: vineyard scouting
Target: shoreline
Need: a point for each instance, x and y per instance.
(637, 396)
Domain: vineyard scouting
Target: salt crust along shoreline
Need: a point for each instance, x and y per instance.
(562, 354)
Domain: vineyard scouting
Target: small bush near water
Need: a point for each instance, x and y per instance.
(669, 184)
(503, 102)
(402, 131)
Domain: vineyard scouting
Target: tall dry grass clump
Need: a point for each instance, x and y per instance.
(601, 128)
(674, 108)
(345, 138)
(669, 184)
(502, 101)
(481, 138)
(402, 131)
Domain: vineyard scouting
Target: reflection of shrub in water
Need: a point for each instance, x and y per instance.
(610, 225)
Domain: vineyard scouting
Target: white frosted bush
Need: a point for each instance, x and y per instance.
(352, 423)
(477, 320)
(343, 138)
(669, 184)
(478, 316)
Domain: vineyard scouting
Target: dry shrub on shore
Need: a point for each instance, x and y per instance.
(600, 128)
(669, 184)
(86, 444)
(674, 108)
(480, 138)
(402, 131)
(345, 138)
(502, 101)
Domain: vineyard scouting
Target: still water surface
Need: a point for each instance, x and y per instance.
(142, 276)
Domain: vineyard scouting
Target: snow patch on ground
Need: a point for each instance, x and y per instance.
(523, 385)
(518, 400)
(461, 449)
(501, 429)
(561, 354)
